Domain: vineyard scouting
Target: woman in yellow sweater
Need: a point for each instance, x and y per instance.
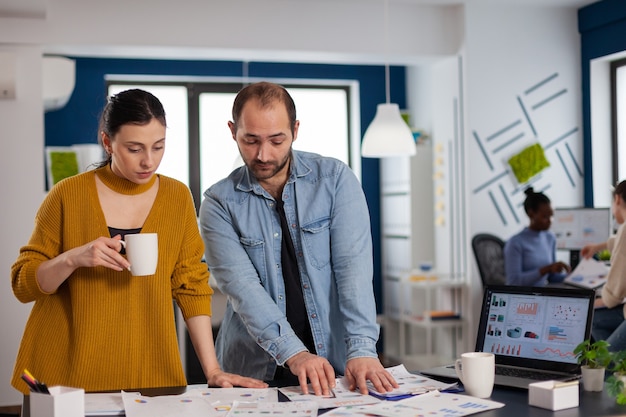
(93, 325)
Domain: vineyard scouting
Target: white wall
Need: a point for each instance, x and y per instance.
(510, 50)
(21, 167)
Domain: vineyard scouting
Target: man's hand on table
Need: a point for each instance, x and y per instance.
(316, 369)
(360, 370)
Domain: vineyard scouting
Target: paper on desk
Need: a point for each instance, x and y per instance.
(137, 405)
(432, 404)
(263, 409)
(104, 404)
(212, 402)
(341, 396)
(221, 399)
(409, 384)
(589, 273)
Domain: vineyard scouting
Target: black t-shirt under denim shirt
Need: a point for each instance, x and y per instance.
(296, 310)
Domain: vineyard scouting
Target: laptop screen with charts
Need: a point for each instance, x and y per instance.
(533, 330)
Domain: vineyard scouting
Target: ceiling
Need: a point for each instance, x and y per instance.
(23, 8)
(38, 8)
(545, 3)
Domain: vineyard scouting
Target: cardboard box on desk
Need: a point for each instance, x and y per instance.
(553, 395)
(61, 402)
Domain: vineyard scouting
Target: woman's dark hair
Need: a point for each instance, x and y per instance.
(620, 190)
(135, 106)
(534, 200)
(267, 94)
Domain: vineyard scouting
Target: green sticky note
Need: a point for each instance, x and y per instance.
(62, 165)
(528, 163)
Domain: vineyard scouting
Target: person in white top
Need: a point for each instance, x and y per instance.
(608, 319)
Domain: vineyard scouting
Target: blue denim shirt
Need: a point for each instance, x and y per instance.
(330, 228)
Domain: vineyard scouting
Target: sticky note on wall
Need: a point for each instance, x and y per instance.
(528, 163)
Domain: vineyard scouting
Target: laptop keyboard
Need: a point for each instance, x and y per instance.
(527, 374)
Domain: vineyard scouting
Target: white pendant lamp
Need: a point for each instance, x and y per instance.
(388, 135)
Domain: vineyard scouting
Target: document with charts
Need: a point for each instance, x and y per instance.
(340, 395)
(410, 384)
(196, 402)
(589, 273)
(431, 404)
(278, 409)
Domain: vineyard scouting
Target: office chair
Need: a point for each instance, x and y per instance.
(489, 253)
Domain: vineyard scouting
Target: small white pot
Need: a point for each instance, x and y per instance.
(593, 378)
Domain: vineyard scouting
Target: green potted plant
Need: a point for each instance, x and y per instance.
(594, 359)
(616, 383)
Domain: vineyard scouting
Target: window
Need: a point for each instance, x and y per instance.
(618, 107)
(175, 161)
(200, 150)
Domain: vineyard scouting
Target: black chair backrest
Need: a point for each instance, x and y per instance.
(489, 253)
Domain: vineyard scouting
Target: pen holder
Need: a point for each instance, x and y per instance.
(553, 395)
(61, 402)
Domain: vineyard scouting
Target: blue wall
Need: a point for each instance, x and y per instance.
(77, 122)
(602, 28)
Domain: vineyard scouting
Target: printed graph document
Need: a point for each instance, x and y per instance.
(340, 396)
(282, 409)
(589, 273)
(137, 405)
(211, 402)
(431, 404)
(222, 398)
(409, 385)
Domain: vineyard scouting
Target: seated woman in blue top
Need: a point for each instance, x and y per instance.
(530, 255)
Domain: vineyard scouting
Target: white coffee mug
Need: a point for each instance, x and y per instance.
(476, 370)
(142, 251)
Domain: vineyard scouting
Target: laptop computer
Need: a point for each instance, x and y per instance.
(532, 331)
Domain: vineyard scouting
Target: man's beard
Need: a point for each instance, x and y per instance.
(266, 170)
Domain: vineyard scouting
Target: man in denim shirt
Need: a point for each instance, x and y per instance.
(288, 240)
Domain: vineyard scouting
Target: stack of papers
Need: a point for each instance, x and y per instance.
(589, 273)
(416, 395)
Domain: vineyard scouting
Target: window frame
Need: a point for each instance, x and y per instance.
(614, 67)
(199, 85)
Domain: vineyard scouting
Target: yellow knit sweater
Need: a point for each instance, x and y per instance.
(103, 329)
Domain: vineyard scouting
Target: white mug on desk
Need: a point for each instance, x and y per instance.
(476, 370)
(142, 251)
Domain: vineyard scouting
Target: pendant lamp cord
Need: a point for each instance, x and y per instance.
(244, 73)
(387, 88)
